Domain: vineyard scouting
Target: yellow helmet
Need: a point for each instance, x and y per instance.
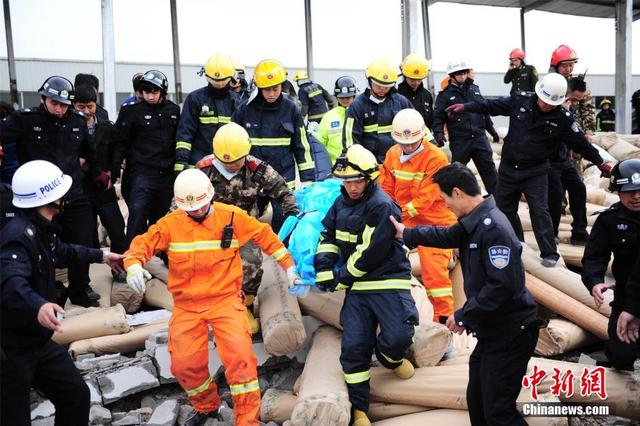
(605, 101)
(358, 163)
(192, 190)
(219, 67)
(269, 73)
(231, 143)
(382, 71)
(300, 75)
(415, 66)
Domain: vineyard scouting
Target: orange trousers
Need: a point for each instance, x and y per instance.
(189, 348)
(434, 263)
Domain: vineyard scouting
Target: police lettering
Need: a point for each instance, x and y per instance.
(50, 186)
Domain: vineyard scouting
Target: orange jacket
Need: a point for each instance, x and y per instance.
(199, 269)
(410, 185)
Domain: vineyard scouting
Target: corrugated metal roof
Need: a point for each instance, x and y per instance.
(589, 8)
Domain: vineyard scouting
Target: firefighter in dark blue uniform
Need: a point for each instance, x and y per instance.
(415, 69)
(147, 131)
(536, 127)
(499, 309)
(617, 231)
(315, 100)
(204, 111)
(57, 133)
(375, 273)
(30, 252)
(276, 128)
(467, 132)
(370, 116)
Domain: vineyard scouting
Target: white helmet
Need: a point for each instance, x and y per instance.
(408, 127)
(552, 89)
(38, 183)
(192, 190)
(459, 65)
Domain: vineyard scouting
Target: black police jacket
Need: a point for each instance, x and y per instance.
(421, 99)
(147, 134)
(632, 293)
(358, 233)
(39, 135)
(30, 252)
(469, 124)
(617, 231)
(534, 136)
(498, 303)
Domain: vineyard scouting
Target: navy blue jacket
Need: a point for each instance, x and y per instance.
(204, 111)
(617, 231)
(315, 100)
(632, 293)
(468, 125)
(38, 135)
(369, 123)
(30, 252)
(534, 136)
(421, 99)
(148, 135)
(278, 135)
(359, 233)
(498, 303)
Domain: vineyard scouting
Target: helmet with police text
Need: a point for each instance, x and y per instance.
(625, 176)
(57, 88)
(269, 73)
(345, 87)
(152, 80)
(457, 66)
(563, 54)
(415, 66)
(231, 143)
(192, 190)
(408, 127)
(552, 89)
(382, 71)
(219, 67)
(38, 183)
(517, 53)
(357, 163)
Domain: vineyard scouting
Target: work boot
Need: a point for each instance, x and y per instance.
(91, 294)
(254, 325)
(578, 239)
(405, 370)
(86, 298)
(360, 418)
(549, 262)
(198, 418)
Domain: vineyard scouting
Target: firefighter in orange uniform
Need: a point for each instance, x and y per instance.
(203, 242)
(406, 177)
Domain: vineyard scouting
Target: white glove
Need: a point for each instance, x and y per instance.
(137, 277)
(292, 276)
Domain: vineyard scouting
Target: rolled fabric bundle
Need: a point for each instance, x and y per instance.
(561, 336)
(101, 281)
(157, 269)
(416, 269)
(102, 322)
(431, 417)
(423, 304)
(457, 284)
(622, 150)
(157, 294)
(323, 398)
(127, 342)
(282, 329)
(324, 306)
(122, 294)
(460, 349)
(384, 410)
(601, 197)
(430, 343)
(277, 405)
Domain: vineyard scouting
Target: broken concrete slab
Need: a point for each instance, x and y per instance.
(135, 377)
(42, 409)
(101, 362)
(95, 397)
(165, 414)
(98, 415)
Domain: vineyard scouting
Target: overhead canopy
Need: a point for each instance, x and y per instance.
(589, 8)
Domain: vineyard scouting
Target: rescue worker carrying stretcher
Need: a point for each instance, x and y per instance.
(237, 179)
(376, 274)
(203, 242)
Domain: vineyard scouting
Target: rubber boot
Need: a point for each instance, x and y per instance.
(360, 418)
(404, 370)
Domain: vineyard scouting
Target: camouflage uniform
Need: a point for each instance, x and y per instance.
(242, 191)
(584, 114)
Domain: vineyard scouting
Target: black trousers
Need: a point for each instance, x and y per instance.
(478, 150)
(496, 369)
(48, 368)
(105, 204)
(534, 183)
(149, 200)
(78, 221)
(563, 176)
(621, 355)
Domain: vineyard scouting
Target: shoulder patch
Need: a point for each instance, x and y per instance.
(499, 256)
(205, 162)
(335, 123)
(252, 164)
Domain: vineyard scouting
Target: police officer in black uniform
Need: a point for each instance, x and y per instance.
(57, 133)
(30, 250)
(147, 129)
(617, 231)
(499, 309)
(628, 328)
(537, 125)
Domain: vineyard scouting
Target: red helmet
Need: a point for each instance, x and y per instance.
(563, 54)
(517, 53)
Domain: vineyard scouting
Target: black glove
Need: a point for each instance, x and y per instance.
(440, 140)
(496, 138)
(327, 285)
